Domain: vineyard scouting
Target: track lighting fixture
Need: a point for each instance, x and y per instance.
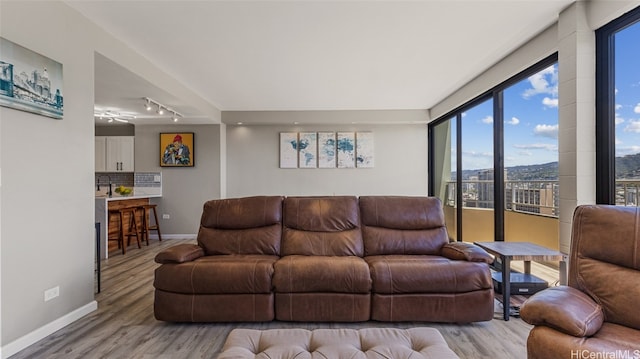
(111, 116)
(162, 109)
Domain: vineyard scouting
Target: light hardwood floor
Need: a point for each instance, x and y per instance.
(124, 326)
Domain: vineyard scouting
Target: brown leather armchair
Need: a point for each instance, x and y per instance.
(598, 312)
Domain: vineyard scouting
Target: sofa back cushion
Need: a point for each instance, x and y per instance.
(250, 225)
(402, 225)
(605, 259)
(324, 226)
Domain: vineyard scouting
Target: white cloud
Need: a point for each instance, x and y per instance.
(629, 150)
(463, 115)
(477, 154)
(514, 121)
(637, 108)
(550, 131)
(525, 153)
(633, 126)
(550, 102)
(618, 142)
(618, 106)
(537, 146)
(618, 119)
(543, 82)
(488, 120)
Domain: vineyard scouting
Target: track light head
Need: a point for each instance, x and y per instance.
(160, 110)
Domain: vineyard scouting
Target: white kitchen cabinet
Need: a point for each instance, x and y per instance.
(118, 153)
(101, 153)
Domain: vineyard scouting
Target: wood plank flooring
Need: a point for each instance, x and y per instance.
(124, 326)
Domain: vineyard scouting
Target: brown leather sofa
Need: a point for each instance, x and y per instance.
(597, 314)
(334, 258)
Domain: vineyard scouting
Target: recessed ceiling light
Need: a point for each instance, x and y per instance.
(239, 123)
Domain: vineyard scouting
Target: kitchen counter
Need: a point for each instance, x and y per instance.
(104, 203)
(120, 198)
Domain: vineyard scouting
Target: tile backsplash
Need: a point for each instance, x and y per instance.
(116, 178)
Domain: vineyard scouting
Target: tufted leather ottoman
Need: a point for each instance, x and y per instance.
(336, 344)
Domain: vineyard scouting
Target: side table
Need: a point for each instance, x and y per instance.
(521, 251)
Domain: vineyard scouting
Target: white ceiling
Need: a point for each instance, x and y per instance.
(320, 55)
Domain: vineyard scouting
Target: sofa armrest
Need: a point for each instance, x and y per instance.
(180, 253)
(565, 309)
(466, 252)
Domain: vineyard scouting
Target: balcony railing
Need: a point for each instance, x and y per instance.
(628, 192)
(533, 197)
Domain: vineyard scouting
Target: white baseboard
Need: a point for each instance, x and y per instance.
(46, 330)
(174, 236)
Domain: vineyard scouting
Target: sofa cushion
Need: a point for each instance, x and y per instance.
(338, 274)
(324, 226)
(250, 225)
(398, 274)
(225, 274)
(402, 225)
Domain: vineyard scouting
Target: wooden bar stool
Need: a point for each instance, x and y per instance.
(115, 214)
(146, 222)
(129, 230)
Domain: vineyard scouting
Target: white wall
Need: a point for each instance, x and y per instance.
(400, 160)
(47, 201)
(184, 189)
(47, 205)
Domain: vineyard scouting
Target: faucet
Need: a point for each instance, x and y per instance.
(110, 193)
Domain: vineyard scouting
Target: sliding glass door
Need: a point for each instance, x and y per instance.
(494, 161)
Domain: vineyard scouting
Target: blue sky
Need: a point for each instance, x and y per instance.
(530, 126)
(531, 114)
(627, 91)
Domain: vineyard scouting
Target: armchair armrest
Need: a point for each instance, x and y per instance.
(565, 309)
(466, 252)
(180, 253)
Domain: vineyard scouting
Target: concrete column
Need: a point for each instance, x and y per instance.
(576, 131)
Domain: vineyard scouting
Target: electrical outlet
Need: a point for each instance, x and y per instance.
(166, 216)
(51, 293)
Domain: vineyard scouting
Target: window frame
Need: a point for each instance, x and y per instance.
(605, 105)
(495, 94)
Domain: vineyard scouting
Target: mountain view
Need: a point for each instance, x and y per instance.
(627, 167)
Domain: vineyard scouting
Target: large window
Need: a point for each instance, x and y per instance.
(618, 111)
(498, 155)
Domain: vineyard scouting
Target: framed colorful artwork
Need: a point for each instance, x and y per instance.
(177, 149)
